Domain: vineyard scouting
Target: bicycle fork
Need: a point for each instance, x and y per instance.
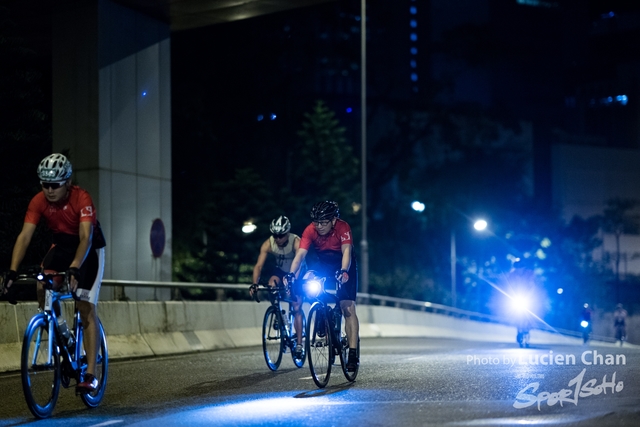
(49, 344)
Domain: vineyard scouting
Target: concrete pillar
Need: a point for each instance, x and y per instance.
(112, 110)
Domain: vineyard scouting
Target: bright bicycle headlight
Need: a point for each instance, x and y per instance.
(584, 323)
(312, 288)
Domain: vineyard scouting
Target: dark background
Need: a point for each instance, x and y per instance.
(482, 70)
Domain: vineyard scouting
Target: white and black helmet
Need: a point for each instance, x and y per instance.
(280, 225)
(54, 167)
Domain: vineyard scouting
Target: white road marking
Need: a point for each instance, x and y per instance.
(108, 423)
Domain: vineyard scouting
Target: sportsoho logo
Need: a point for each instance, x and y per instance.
(579, 387)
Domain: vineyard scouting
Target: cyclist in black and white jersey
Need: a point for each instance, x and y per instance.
(282, 247)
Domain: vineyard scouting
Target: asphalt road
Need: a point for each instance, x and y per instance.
(402, 382)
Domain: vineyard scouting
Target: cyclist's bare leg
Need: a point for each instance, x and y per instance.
(274, 281)
(40, 295)
(89, 316)
(351, 323)
(297, 318)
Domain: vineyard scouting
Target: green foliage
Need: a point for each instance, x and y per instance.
(458, 163)
(325, 166)
(223, 250)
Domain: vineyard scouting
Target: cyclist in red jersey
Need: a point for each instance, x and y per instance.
(78, 248)
(333, 242)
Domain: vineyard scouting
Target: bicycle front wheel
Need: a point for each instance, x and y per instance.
(272, 339)
(93, 399)
(318, 345)
(40, 367)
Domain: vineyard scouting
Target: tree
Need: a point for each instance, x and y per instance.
(223, 253)
(325, 166)
(618, 220)
(457, 162)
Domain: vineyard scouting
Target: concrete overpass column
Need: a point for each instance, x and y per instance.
(112, 111)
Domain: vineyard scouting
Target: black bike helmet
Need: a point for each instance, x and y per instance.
(323, 211)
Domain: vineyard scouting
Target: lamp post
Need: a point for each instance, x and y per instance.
(364, 245)
(478, 225)
(453, 267)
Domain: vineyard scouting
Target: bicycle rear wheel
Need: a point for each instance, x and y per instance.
(93, 399)
(344, 358)
(318, 345)
(299, 362)
(272, 339)
(40, 368)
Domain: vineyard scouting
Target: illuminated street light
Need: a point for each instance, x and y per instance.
(248, 227)
(417, 206)
(480, 225)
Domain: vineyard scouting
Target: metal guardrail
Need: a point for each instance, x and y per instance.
(362, 297)
(365, 298)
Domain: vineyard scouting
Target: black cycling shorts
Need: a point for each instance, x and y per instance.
(330, 262)
(59, 259)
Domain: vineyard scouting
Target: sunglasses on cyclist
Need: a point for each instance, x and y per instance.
(53, 185)
(321, 223)
(279, 236)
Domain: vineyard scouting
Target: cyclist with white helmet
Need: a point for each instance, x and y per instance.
(333, 243)
(281, 247)
(77, 249)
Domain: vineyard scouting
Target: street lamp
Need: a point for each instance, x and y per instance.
(478, 225)
(248, 227)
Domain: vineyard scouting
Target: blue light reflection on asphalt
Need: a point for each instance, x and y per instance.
(282, 409)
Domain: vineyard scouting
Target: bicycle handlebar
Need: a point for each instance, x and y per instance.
(47, 281)
(255, 288)
(262, 286)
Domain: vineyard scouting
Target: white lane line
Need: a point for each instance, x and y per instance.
(108, 423)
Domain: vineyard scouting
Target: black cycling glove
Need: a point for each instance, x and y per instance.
(342, 276)
(73, 271)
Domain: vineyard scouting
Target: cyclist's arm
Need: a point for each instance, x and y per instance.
(296, 248)
(346, 256)
(85, 232)
(297, 260)
(262, 257)
(21, 245)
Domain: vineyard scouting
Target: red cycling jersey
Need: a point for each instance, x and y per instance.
(339, 235)
(64, 216)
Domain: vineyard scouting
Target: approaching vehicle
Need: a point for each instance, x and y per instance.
(325, 337)
(278, 331)
(53, 354)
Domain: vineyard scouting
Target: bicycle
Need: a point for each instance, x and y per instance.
(278, 332)
(49, 358)
(326, 338)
